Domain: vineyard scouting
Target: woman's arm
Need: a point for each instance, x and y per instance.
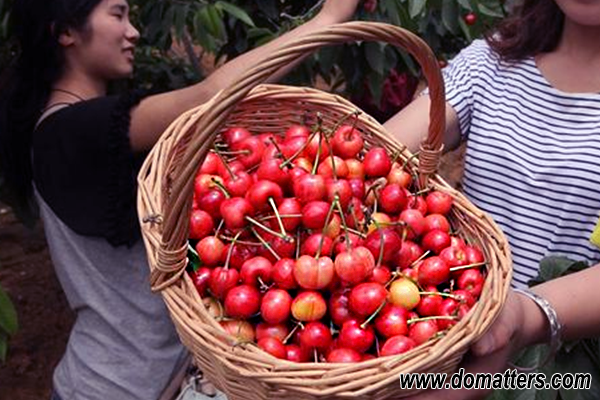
(155, 113)
(410, 125)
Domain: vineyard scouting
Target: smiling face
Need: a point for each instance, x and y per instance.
(103, 48)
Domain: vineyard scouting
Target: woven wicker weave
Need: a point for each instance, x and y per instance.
(164, 205)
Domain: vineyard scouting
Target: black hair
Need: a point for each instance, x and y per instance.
(534, 27)
(26, 82)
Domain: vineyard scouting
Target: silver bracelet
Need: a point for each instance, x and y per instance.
(555, 329)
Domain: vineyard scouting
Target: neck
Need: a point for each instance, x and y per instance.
(580, 42)
(81, 85)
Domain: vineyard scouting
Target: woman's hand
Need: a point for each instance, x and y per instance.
(336, 11)
(514, 328)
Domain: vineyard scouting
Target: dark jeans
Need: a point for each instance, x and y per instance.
(55, 396)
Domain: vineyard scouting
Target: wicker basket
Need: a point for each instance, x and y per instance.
(164, 205)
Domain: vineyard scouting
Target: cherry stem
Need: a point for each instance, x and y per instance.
(336, 200)
(298, 152)
(274, 143)
(397, 274)
(434, 317)
(225, 163)
(221, 187)
(333, 171)
(327, 220)
(355, 219)
(274, 206)
(372, 316)
(263, 285)
(294, 329)
(461, 267)
(297, 244)
(230, 252)
(235, 153)
(265, 228)
(419, 259)
(357, 233)
(442, 294)
(396, 156)
(381, 243)
(246, 243)
(219, 228)
(316, 355)
(409, 159)
(423, 191)
(282, 216)
(355, 114)
(264, 243)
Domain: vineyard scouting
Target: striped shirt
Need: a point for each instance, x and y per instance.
(533, 156)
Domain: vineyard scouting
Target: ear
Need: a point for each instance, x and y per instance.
(66, 38)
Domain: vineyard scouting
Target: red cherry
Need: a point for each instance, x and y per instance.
(200, 278)
(347, 141)
(343, 356)
(397, 345)
(433, 271)
(242, 301)
(273, 346)
(365, 298)
(201, 224)
(377, 162)
(354, 336)
(276, 306)
(470, 19)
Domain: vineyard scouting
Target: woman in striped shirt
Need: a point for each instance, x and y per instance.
(527, 102)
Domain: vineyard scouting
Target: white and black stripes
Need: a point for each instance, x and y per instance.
(533, 156)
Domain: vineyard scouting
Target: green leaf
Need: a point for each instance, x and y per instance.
(578, 361)
(216, 18)
(327, 57)
(180, 14)
(375, 56)
(3, 346)
(465, 4)
(375, 81)
(8, 314)
(495, 13)
(235, 11)
(553, 267)
(195, 262)
(416, 7)
(450, 16)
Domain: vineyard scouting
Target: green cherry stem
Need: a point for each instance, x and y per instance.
(327, 220)
(224, 161)
(230, 252)
(336, 200)
(372, 316)
(265, 228)
(420, 319)
(274, 207)
(461, 267)
(264, 243)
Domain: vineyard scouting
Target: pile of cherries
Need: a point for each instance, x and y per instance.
(319, 247)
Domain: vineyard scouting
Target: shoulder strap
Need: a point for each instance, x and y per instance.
(51, 110)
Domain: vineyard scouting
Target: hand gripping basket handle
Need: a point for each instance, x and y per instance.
(177, 196)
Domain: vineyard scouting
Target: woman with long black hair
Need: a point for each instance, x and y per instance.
(74, 148)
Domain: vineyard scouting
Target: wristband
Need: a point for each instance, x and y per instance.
(555, 328)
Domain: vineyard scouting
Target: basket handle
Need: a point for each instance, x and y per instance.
(177, 189)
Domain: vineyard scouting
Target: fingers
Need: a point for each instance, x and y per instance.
(504, 329)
